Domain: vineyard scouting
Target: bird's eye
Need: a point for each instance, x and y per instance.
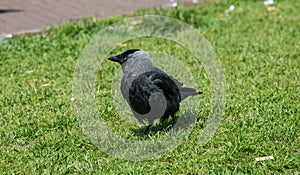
(128, 56)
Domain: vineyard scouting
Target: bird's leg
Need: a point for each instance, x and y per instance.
(173, 120)
(146, 131)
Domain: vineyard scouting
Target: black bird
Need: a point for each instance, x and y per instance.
(150, 92)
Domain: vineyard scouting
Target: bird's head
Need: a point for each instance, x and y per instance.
(128, 54)
(134, 61)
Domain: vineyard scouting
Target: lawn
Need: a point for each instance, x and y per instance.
(258, 50)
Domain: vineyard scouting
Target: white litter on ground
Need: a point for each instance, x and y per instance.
(173, 3)
(29, 72)
(264, 158)
(230, 9)
(269, 2)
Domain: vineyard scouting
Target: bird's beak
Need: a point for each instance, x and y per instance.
(115, 59)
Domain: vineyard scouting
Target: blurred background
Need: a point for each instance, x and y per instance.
(19, 16)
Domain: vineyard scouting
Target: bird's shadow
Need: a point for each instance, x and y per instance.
(165, 127)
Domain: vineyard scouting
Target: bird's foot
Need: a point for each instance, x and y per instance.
(145, 133)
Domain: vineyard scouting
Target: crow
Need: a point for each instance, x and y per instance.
(150, 92)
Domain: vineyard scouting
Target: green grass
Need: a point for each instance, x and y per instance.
(259, 51)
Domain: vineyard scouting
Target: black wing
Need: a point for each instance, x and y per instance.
(151, 82)
(178, 83)
(184, 91)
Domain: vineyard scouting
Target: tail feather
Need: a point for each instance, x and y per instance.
(186, 92)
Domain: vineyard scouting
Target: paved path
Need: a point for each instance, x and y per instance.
(21, 16)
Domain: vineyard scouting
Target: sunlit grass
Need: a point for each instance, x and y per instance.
(259, 51)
